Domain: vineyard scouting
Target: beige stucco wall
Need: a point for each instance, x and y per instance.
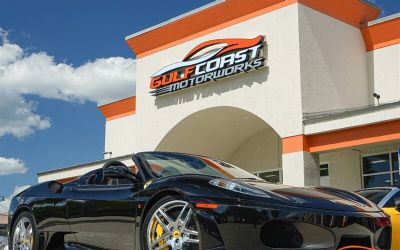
(384, 73)
(265, 92)
(261, 152)
(344, 169)
(333, 63)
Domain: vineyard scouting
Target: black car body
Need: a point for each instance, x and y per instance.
(232, 209)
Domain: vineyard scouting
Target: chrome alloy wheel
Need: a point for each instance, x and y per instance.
(172, 227)
(23, 235)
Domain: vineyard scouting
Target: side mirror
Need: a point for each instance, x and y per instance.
(397, 203)
(55, 187)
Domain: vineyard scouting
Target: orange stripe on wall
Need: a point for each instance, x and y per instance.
(375, 133)
(346, 138)
(293, 144)
(382, 34)
(119, 108)
(230, 12)
(65, 180)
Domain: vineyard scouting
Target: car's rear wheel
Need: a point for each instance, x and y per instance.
(170, 225)
(24, 233)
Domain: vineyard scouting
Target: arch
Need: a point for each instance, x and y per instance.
(230, 134)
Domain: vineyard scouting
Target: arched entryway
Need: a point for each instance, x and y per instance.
(230, 134)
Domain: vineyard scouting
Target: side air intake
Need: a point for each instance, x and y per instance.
(280, 234)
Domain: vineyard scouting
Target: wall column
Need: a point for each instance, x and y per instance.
(299, 166)
(300, 169)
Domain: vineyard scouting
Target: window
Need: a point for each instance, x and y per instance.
(380, 170)
(96, 178)
(274, 176)
(169, 164)
(374, 195)
(113, 181)
(324, 170)
(391, 201)
(271, 176)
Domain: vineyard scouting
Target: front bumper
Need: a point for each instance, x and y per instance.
(253, 225)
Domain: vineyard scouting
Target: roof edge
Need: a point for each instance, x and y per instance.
(384, 19)
(166, 35)
(191, 12)
(81, 165)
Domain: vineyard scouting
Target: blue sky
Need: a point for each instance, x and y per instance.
(62, 127)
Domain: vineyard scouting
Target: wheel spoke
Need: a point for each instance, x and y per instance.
(164, 237)
(167, 244)
(17, 232)
(181, 213)
(194, 241)
(188, 215)
(166, 217)
(161, 222)
(29, 231)
(191, 232)
(22, 226)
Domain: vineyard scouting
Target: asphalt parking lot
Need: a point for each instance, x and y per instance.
(3, 243)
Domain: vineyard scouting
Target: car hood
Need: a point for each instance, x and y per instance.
(315, 197)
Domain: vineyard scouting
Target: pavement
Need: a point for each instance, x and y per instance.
(3, 243)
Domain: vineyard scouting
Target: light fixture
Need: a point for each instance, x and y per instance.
(377, 96)
(109, 153)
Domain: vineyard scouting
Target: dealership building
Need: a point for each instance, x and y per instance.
(300, 92)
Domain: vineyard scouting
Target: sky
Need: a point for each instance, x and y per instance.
(58, 61)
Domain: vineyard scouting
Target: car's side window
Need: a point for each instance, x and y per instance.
(112, 181)
(390, 202)
(91, 180)
(94, 178)
(97, 178)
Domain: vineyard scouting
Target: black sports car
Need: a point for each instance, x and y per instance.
(181, 201)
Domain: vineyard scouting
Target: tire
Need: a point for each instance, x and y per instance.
(28, 239)
(170, 223)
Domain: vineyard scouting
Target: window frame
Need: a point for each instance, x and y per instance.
(280, 170)
(391, 171)
(329, 166)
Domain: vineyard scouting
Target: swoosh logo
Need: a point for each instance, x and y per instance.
(185, 64)
(231, 44)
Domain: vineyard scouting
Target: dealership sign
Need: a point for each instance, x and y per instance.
(223, 58)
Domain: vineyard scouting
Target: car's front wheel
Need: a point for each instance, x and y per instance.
(24, 232)
(170, 224)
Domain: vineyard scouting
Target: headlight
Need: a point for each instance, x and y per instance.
(233, 186)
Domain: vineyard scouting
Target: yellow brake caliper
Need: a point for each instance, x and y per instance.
(159, 232)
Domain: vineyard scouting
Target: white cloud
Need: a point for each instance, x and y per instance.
(17, 115)
(10, 166)
(21, 73)
(6, 203)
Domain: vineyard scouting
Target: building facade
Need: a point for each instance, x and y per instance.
(302, 92)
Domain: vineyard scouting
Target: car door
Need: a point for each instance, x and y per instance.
(390, 209)
(102, 214)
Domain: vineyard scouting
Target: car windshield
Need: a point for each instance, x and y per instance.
(168, 164)
(374, 195)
